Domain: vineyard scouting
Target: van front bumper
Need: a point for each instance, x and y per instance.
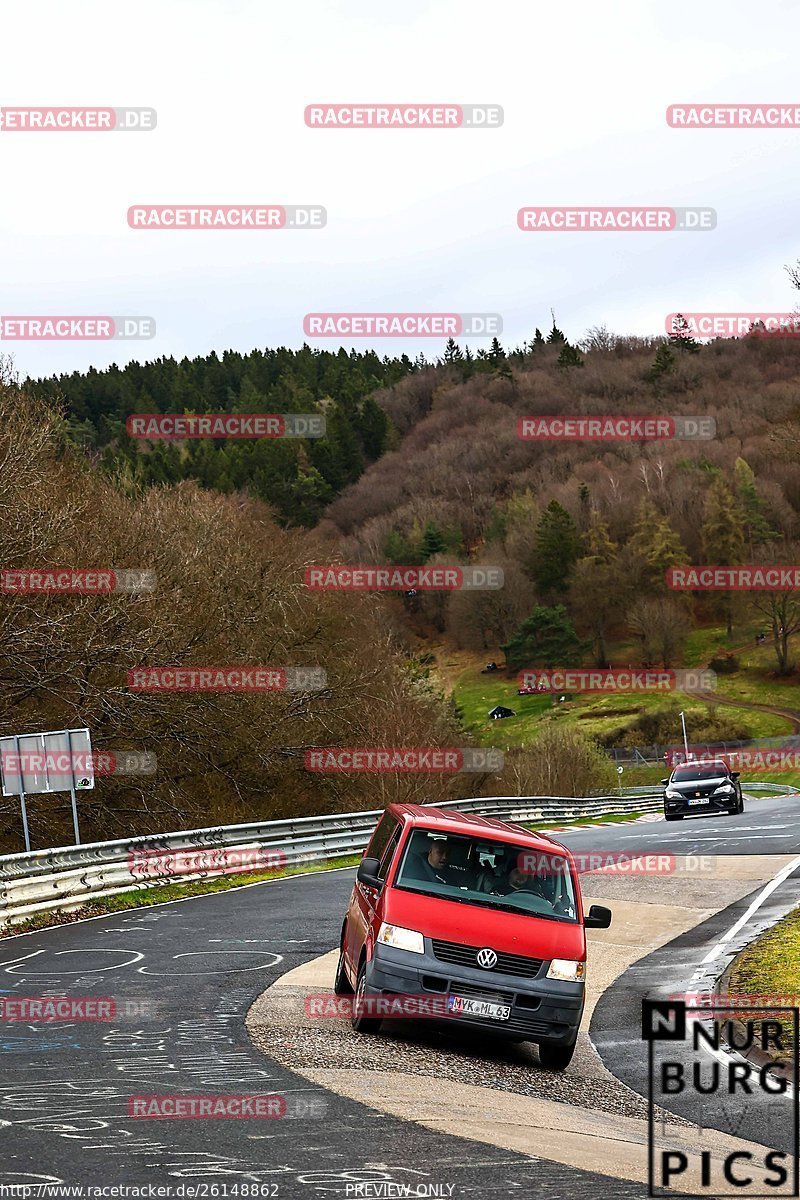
(542, 1009)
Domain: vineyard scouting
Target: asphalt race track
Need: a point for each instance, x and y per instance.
(189, 971)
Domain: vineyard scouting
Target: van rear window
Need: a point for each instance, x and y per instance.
(474, 870)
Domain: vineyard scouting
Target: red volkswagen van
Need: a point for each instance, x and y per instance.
(481, 913)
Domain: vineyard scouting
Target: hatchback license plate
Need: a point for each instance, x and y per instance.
(703, 800)
(465, 1006)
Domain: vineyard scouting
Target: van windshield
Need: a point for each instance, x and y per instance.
(492, 874)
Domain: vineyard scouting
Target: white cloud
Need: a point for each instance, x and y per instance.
(416, 220)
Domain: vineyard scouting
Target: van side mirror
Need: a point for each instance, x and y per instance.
(665, 781)
(368, 872)
(598, 917)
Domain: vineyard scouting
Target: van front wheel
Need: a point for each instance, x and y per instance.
(360, 1022)
(556, 1058)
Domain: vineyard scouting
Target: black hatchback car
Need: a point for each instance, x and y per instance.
(702, 787)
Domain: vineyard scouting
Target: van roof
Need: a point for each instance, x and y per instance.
(451, 820)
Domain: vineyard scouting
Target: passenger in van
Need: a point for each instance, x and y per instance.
(518, 880)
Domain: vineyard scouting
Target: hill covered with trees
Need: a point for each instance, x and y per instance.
(296, 477)
(585, 530)
(229, 590)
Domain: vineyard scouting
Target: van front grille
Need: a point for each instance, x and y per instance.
(467, 956)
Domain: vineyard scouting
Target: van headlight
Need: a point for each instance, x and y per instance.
(401, 939)
(567, 968)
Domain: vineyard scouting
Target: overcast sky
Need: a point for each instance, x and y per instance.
(417, 220)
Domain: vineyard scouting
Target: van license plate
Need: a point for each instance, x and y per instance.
(704, 800)
(465, 1006)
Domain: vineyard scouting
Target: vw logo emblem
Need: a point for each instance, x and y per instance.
(487, 959)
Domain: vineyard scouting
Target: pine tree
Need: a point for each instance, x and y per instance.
(433, 541)
(664, 363)
(557, 549)
(373, 428)
(657, 545)
(452, 352)
(468, 365)
(597, 542)
(555, 337)
(546, 638)
(723, 538)
(398, 551)
(757, 530)
(584, 496)
(569, 357)
(538, 342)
(681, 337)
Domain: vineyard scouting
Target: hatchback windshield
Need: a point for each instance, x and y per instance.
(492, 874)
(708, 771)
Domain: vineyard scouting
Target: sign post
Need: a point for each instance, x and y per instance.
(42, 763)
(24, 810)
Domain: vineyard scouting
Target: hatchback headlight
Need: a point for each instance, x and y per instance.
(671, 794)
(567, 968)
(401, 939)
(724, 787)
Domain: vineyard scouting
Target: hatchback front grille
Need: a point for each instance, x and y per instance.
(467, 956)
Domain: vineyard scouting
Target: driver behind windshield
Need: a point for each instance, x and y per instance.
(434, 866)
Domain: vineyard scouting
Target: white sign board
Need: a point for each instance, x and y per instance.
(37, 763)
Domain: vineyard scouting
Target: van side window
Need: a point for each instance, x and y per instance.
(380, 838)
(388, 853)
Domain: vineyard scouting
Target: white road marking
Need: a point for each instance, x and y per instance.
(763, 895)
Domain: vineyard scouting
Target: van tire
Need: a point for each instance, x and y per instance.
(341, 984)
(363, 1024)
(556, 1058)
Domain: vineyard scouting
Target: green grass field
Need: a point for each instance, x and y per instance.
(601, 715)
(770, 966)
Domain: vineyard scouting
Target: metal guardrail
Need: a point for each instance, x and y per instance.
(69, 876)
